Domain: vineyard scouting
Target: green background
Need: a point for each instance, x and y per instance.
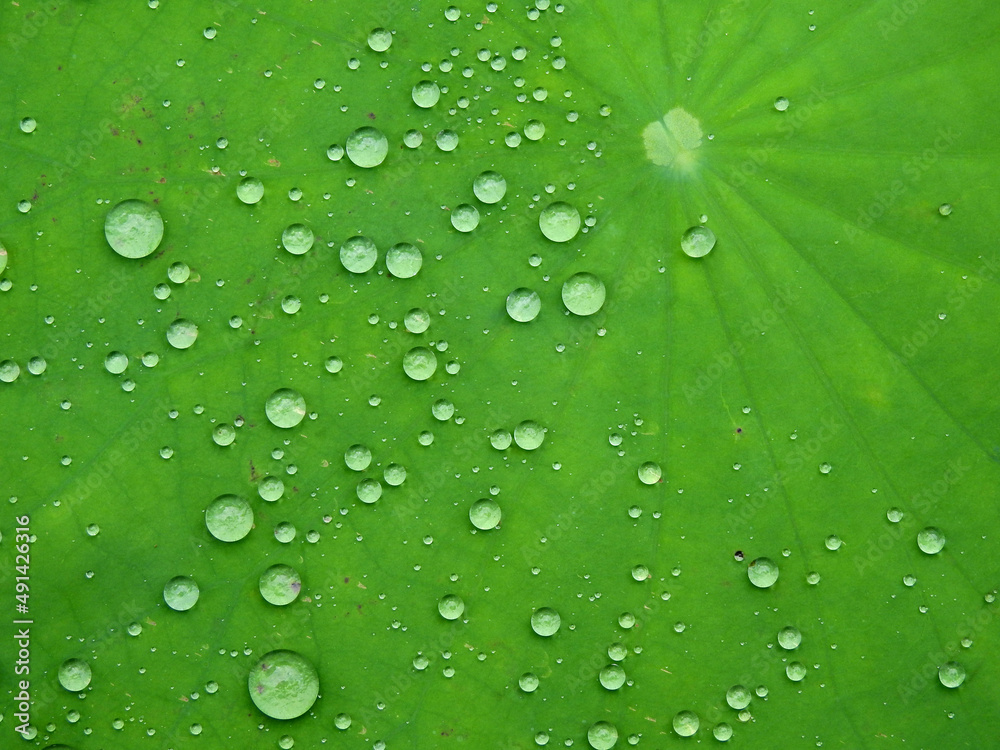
(840, 319)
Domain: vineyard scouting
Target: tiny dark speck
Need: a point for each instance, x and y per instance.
(371, 115)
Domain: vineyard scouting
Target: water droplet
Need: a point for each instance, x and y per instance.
(523, 305)
(284, 532)
(250, 190)
(297, 239)
(133, 228)
(602, 736)
(528, 682)
(116, 363)
(28, 125)
(417, 320)
(722, 732)
(895, 515)
(781, 103)
(545, 621)
(442, 409)
(626, 620)
(229, 518)
(379, 39)
(334, 364)
(134, 629)
(357, 457)
(465, 217)
(335, 152)
(285, 408)
(291, 304)
(789, 638)
(698, 241)
(451, 606)
(796, 671)
(283, 684)
(358, 254)
(763, 572)
(812, 578)
(612, 676)
(944, 209)
(930, 540)
(738, 697)
(583, 294)
(179, 272)
(426, 94)
(280, 584)
(394, 475)
(951, 674)
(825, 468)
(367, 147)
(447, 140)
(224, 435)
(686, 723)
(419, 363)
(182, 333)
(485, 514)
(342, 721)
(559, 222)
(403, 260)
(534, 130)
(369, 490)
(833, 542)
(649, 472)
(75, 674)
(529, 435)
(489, 187)
(909, 580)
(181, 593)
(640, 572)
(500, 439)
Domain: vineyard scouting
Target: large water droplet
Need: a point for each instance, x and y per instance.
(490, 187)
(528, 682)
(357, 457)
(738, 697)
(419, 363)
(404, 260)
(133, 229)
(796, 671)
(250, 190)
(559, 221)
(358, 254)
(485, 514)
(465, 217)
(285, 408)
(686, 723)
(447, 140)
(181, 593)
(951, 674)
(650, 472)
(369, 490)
(698, 241)
(74, 675)
(789, 638)
(283, 684)
(722, 732)
(380, 39)
(116, 363)
(529, 435)
(583, 294)
(451, 606)
(280, 584)
(182, 333)
(417, 320)
(367, 147)
(602, 736)
(545, 621)
(763, 572)
(930, 540)
(3, 258)
(426, 94)
(297, 239)
(229, 518)
(271, 489)
(612, 677)
(9, 371)
(523, 305)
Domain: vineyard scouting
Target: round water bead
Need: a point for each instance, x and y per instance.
(489, 187)
(179, 272)
(380, 39)
(229, 518)
(528, 682)
(789, 638)
(280, 584)
(426, 94)
(358, 254)
(394, 475)
(583, 294)
(612, 677)
(763, 572)
(500, 439)
(285, 408)
(133, 228)
(686, 723)
(465, 217)
(617, 651)
(698, 242)
(404, 260)
(796, 671)
(529, 435)
(181, 593)
(447, 140)
(369, 490)
(545, 621)
(182, 333)
(297, 239)
(116, 363)
(722, 732)
(451, 606)
(951, 674)
(419, 363)
(602, 736)
(650, 472)
(250, 190)
(367, 147)
(271, 489)
(3, 258)
(781, 103)
(283, 684)
(334, 365)
(930, 540)
(738, 697)
(417, 320)
(74, 675)
(523, 305)
(485, 514)
(559, 222)
(534, 130)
